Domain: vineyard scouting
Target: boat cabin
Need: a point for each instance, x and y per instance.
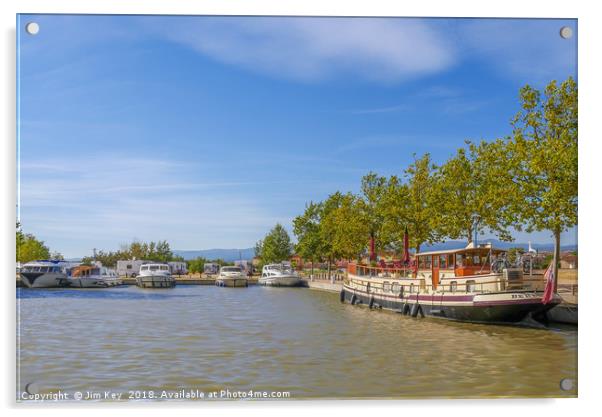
(468, 261)
(85, 271)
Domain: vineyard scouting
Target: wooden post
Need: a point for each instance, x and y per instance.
(556, 258)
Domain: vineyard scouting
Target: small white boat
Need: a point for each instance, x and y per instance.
(279, 275)
(155, 275)
(231, 276)
(45, 274)
(93, 276)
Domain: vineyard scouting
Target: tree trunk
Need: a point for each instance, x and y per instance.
(556, 259)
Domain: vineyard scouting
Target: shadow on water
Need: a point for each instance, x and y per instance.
(120, 293)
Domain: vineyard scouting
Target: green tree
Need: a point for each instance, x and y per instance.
(306, 228)
(373, 187)
(162, 252)
(545, 165)
(413, 204)
(275, 247)
(474, 190)
(29, 248)
(197, 265)
(343, 228)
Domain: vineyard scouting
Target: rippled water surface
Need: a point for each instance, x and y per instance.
(284, 339)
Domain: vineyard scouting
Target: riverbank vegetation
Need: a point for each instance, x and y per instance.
(524, 181)
(151, 251)
(275, 247)
(30, 248)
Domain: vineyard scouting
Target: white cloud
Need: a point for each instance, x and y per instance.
(317, 48)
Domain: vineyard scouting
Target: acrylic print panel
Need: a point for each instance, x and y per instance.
(415, 179)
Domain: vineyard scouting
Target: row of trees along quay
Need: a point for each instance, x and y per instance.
(525, 181)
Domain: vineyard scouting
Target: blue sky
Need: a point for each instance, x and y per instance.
(206, 131)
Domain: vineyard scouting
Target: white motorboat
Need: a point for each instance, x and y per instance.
(155, 275)
(93, 276)
(279, 275)
(45, 274)
(231, 276)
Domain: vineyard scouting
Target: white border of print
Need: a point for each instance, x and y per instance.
(589, 230)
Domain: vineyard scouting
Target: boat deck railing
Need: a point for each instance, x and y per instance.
(419, 285)
(380, 272)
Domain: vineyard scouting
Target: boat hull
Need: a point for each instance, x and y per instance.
(480, 308)
(44, 280)
(231, 282)
(281, 281)
(155, 281)
(91, 282)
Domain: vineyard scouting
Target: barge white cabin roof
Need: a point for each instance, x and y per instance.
(470, 247)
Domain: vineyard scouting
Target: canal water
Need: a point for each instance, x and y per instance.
(294, 340)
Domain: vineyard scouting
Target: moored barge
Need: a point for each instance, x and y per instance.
(474, 284)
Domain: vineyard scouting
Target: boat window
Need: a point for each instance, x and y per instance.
(453, 286)
(421, 263)
(395, 287)
(411, 288)
(476, 260)
(386, 286)
(450, 261)
(128, 267)
(435, 262)
(470, 285)
(443, 261)
(427, 262)
(459, 260)
(164, 268)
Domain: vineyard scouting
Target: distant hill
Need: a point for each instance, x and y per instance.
(228, 255)
(457, 244)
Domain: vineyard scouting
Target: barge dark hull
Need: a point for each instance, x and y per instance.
(493, 313)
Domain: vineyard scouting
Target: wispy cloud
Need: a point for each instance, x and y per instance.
(312, 49)
(394, 141)
(377, 110)
(530, 50)
(110, 199)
